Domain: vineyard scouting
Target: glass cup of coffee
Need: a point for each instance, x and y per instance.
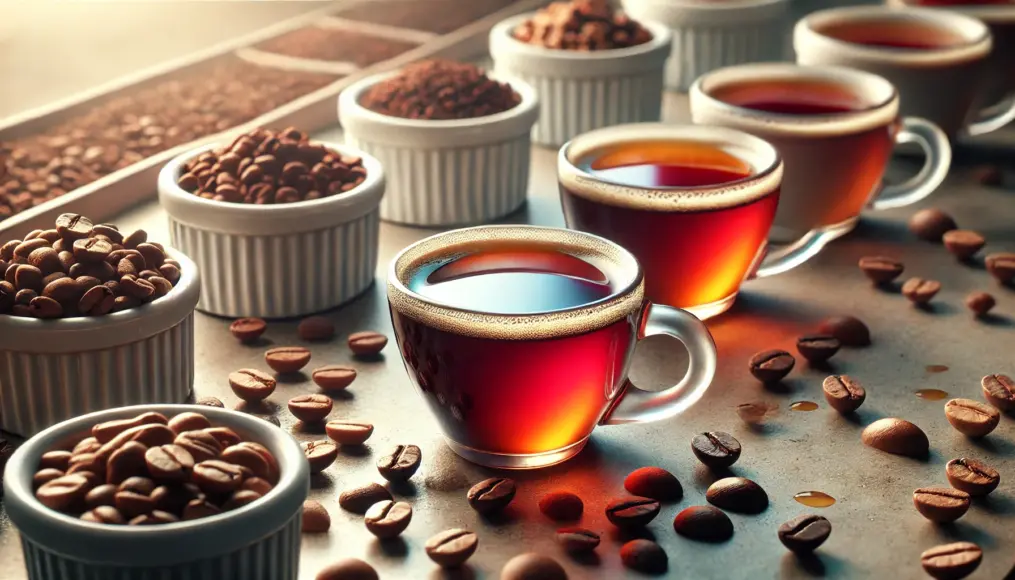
(693, 203)
(936, 59)
(835, 129)
(519, 340)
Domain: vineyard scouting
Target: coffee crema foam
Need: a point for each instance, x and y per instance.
(618, 264)
(765, 166)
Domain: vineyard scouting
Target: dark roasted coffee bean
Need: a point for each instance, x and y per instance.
(188, 421)
(896, 436)
(310, 408)
(174, 498)
(931, 224)
(153, 255)
(154, 518)
(655, 483)
(387, 519)
(999, 390)
(644, 556)
(951, 561)
(320, 454)
(45, 308)
(491, 495)
(737, 494)
(91, 250)
(347, 569)
(107, 231)
(257, 484)
(103, 495)
(771, 366)
(880, 269)
(451, 548)
(941, 504)
(287, 359)
(972, 418)
(139, 484)
(211, 402)
(46, 475)
(704, 523)
(240, 498)
(716, 449)
(367, 343)
(632, 512)
(348, 433)
(217, 477)
(201, 445)
(818, 348)
(126, 462)
(972, 476)
(251, 384)
(200, 508)
(107, 431)
(132, 241)
(920, 290)
(577, 540)
(104, 514)
(1001, 266)
(73, 226)
(136, 287)
(316, 519)
(401, 463)
(359, 499)
(850, 331)
(532, 566)
(316, 328)
(86, 462)
(132, 504)
(963, 243)
(169, 463)
(804, 534)
(46, 260)
(161, 285)
(561, 505)
(843, 393)
(97, 301)
(248, 329)
(55, 460)
(334, 377)
(980, 303)
(170, 272)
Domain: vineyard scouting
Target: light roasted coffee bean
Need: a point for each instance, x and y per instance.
(931, 224)
(881, 269)
(104, 514)
(211, 402)
(972, 476)
(156, 517)
(896, 436)
(64, 493)
(254, 457)
(951, 561)
(972, 418)
(201, 445)
(804, 534)
(716, 449)
(980, 303)
(169, 463)
(644, 556)
(387, 519)
(287, 359)
(818, 348)
(771, 366)
(257, 484)
(224, 435)
(577, 540)
(367, 343)
(310, 408)
(703, 523)
(189, 421)
(401, 463)
(217, 477)
(492, 495)
(1001, 266)
(561, 505)
(737, 494)
(200, 508)
(348, 432)
(133, 503)
(127, 462)
(248, 329)
(103, 495)
(316, 519)
(251, 384)
(963, 243)
(316, 329)
(240, 498)
(320, 454)
(347, 569)
(999, 390)
(941, 504)
(843, 393)
(334, 377)
(920, 290)
(45, 475)
(105, 432)
(451, 548)
(55, 459)
(532, 566)
(359, 499)
(632, 512)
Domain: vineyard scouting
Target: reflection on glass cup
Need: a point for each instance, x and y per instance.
(519, 339)
(835, 129)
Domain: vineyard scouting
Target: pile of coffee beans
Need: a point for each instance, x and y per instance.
(333, 44)
(82, 269)
(152, 469)
(267, 167)
(440, 90)
(581, 25)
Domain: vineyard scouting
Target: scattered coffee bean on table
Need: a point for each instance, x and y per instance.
(359, 499)
(632, 512)
(931, 224)
(581, 25)
(1001, 266)
(387, 519)
(348, 432)
(756, 413)
(881, 269)
(703, 523)
(287, 359)
(320, 454)
(843, 393)
(963, 244)
(818, 348)
(492, 495)
(980, 303)
(451, 548)
(737, 494)
(655, 483)
(401, 463)
(367, 343)
(941, 504)
(804, 534)
(920, 290)
(972, 418)
(577, 540)
(850, 331)
(644, 556)
(333, 377)
(316, 519)
(532, 566)
(316, 329)
(771, 366)
(252, 385)
(988, 175)
(999, 390)
(310, 408)
(348, 569)
(211, 402)
(248, 329)
(716, 449)
(972, 476)
(561, 505)
(951, 561)
(896, 436)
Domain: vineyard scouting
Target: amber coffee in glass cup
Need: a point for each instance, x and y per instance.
(519, 339)
(835, 129)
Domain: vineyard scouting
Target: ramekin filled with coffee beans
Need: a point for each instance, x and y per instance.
(92, 317)
(279, 225)
(591, 66)
(159, 491)
(455, 140)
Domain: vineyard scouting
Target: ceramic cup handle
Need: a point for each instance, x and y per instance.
(1005, 115)
(638, 406)
(935, 145)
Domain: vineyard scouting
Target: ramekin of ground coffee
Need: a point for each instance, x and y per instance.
(270, 207)
(591, 66)
(456, 140)
(85, 310)
(181, 491)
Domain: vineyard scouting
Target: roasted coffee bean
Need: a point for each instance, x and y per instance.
(316, 328)
(174, 498)
(644, 556)
(843, 393)
(170, 272)
(136, 287)
(188, 421)
(655, 483)
(972, 418)
(310, 408)
(387, 519)
(951, 561)
(86, 445)
(320, 454)
(941, 504)
(334, 377)
(107, 231)
(126, 462)
(492, 495)
(46, 475)
(87, 462)
(896, 436)
(367, 343)
(999, 390)
(632, 512)
(201, 445)
(251, 384)
(150, 435)
(154, 518)
(55, 460)
(200, 508)
(132, 241)
(972, 476)
(704, 523)
(132, 504)
(818, 348)
(1001, 266)
(963, 243)
(451, 548)
(73, 226)
(287, 359)
(240, 498)
(880, 269)
(257, 484)
(316, 519)
(107, 431)
(125, 268)
(347, 569)
(400, 464)
(804, 534)
(716, 449)
(980, 303)
(252, 456)
(920, 290)
(153, 255)
(161, 285)
(359, 499)
(737, 494)
(169, 463)
(104, 514)
(91, 250)
(211, 402)
(45, 308)
(46, 260)
(225, 436)
(931, 224)
(561, 505)
(771, 366)
(103, 495)
(577, 540)
(141, 485)
(216, 477)
(348, 433)
(97, 301)
(27, 278)
(248, 329)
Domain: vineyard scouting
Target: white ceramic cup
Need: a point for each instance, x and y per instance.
(941, 84)
(834, 160)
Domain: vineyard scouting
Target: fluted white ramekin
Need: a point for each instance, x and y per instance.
(52, 370)
(259, 541)
(281, 260)
(714, 34)
(446, 172)
(584, 90)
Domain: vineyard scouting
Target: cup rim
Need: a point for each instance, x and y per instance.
(764, 158)
(989, 13)
(661, 36)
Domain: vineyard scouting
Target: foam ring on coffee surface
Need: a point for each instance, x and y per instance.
(765, 168)
(616, 262)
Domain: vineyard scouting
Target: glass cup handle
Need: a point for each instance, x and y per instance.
(638, 406)
(792, 255)
(935, 145)
(993, 123)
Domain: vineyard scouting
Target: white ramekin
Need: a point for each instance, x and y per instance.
(446, 172)
(584, 90)
(52, 370)
(258, 540)
(714, 34)
(281, 260)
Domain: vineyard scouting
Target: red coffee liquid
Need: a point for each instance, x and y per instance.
(908, 35)
(791, 97)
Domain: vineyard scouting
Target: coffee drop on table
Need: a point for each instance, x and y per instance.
(803, 406)
(814, 499)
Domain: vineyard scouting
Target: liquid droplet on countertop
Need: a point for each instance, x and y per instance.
(804, 406)
(815, 499)
(755, 413)
(931, 394)
(936, 368)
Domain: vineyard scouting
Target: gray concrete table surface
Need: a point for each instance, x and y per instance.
(876, 531)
